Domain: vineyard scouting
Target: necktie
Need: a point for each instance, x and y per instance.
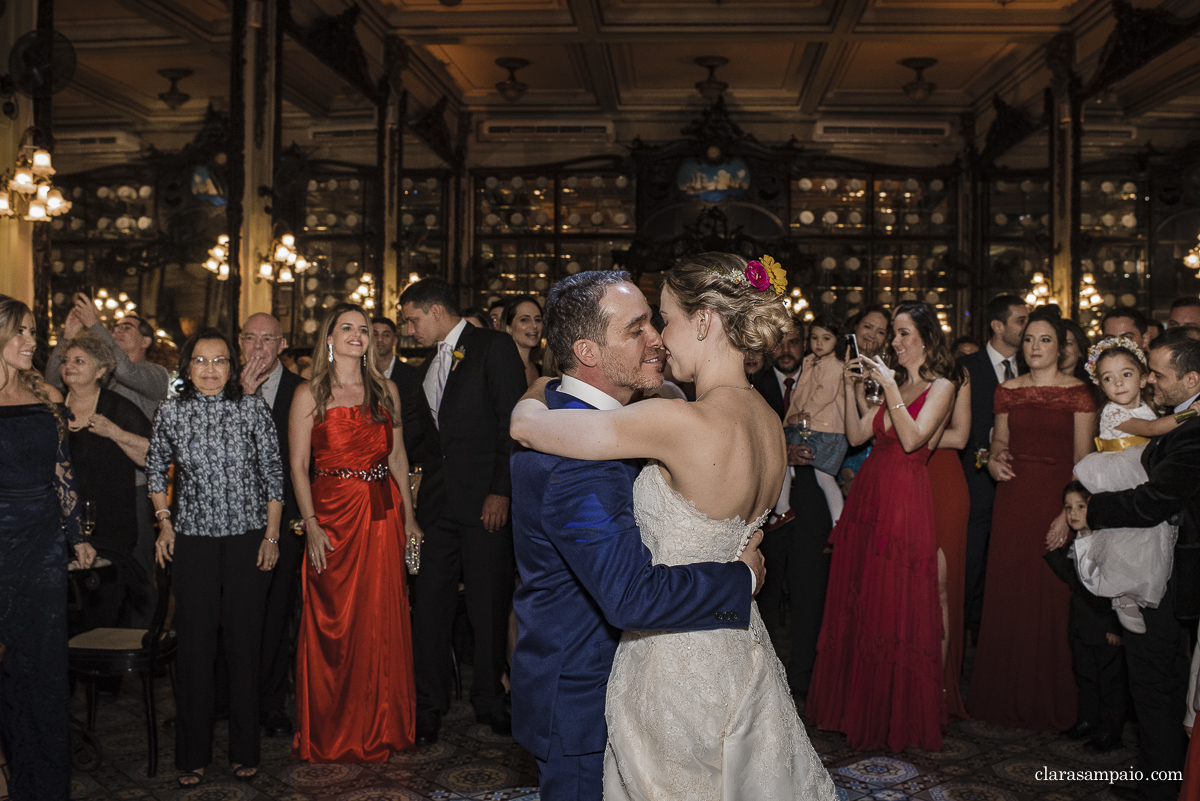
(445, 361)
(788, 383)
(1008, 370)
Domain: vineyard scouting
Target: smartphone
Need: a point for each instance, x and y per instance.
(852, 352)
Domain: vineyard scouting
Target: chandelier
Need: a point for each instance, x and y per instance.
(218, 258)
(284, 261)
(365, 294)
(26, 190)
(795, 304)
(1039, 293)
(1192, 259)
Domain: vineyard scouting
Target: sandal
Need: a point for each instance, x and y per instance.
(244, 774)
(190, 778)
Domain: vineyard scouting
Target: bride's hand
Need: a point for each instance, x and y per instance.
(537, 390)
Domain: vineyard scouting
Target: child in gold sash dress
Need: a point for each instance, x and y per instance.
(1129, 565)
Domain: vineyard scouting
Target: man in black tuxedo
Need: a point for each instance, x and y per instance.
(996, 363)
(261, 342)
(795, 544)
(470, 387)
(408, 384)
(1158, 660)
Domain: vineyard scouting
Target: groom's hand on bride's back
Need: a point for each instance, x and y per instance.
(753, 557)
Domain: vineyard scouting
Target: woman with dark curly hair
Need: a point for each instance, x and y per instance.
(225, 535)
(39, 516)
(878, 675)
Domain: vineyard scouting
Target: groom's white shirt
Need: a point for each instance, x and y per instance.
(588, 394)
(570, 385)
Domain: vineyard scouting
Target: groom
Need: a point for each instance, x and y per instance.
(585, 574)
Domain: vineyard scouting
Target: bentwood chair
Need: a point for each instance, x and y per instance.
(114, 652)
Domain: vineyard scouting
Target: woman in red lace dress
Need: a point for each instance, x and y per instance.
(355, 694)
(878, 675)
(1045, 422)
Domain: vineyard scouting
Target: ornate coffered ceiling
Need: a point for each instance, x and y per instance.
(789, 61)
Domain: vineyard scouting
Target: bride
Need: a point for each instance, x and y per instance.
(698, 715)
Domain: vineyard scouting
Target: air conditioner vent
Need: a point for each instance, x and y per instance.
(880, 132)
(546, 131)
(1100, 135)
(95, 142)
(343, 133)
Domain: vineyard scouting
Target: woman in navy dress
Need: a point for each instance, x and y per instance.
(38, 516)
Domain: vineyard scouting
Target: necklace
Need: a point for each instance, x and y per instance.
(718, 386)
(83, 425)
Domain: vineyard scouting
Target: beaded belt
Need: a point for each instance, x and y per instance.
(377, 473)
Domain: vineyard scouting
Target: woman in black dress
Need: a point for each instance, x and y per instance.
(109, 437)
(39, 515)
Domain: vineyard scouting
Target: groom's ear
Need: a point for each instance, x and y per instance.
(587, 352)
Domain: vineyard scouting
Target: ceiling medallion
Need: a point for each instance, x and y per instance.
(710, 88)
(173, 97)
(512, 90)
(918, 90)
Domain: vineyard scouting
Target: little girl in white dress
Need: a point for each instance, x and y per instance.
(1129, 565)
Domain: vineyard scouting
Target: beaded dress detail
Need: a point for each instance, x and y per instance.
(694, 716)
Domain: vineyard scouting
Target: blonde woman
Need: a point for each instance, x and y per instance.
(39, 515)
(355, 693)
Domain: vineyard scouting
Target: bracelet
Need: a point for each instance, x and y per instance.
(162, 514)
(310, 517)
(272, 540)
(898, 405)
(1186, 414)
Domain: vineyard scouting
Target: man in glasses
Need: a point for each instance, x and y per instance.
(261, 341)
(141, 381)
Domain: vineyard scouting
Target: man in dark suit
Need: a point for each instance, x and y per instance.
(996, 363)
(470, 387)
(1158, 660)
(794, 545)
(261, 342)
(408, 383)
(585, 573)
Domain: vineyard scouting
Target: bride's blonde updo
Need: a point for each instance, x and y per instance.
(754, 320)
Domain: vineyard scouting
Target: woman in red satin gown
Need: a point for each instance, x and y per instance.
(1045, 422)
(355, 692)
(878, 674)
(951, 510)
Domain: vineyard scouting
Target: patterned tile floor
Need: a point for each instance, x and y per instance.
(978, 762)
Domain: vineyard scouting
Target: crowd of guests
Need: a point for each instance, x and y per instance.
(939, 495)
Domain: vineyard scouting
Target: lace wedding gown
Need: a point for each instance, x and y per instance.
(694, 716)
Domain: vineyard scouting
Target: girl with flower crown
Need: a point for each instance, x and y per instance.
(1131, 566)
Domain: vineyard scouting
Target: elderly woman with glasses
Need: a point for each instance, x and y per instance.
(222, 538)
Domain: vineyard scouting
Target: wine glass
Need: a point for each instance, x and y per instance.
(89, 518)
(874, 391)
(803, 426)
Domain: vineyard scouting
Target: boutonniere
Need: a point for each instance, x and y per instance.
(456, 356)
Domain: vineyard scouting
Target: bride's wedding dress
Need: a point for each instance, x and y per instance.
(694, 716)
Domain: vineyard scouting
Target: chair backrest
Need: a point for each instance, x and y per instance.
(153, 637)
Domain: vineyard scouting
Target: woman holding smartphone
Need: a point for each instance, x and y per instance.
(881, 692)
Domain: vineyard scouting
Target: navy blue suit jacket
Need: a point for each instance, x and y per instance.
(585, 576)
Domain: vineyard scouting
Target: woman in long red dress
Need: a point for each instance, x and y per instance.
(355, 692)
(878, 674)
(1045, 421)
(951, 510)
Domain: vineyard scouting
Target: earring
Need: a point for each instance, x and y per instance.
(330, 351)
(701, 337)
(703, 323)
(364, 360)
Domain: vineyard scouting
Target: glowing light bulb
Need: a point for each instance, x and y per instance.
(212, 265)
(288, 240)
(41, 162)
(285, 275)
(281, 253)
(265, 270)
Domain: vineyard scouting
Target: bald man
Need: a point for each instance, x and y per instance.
(264, 375)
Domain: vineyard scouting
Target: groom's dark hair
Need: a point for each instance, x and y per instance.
(573, 312)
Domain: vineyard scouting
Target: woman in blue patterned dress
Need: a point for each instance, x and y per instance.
(38, 516)
(222, 538)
